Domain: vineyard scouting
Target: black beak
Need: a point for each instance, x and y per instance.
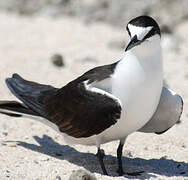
(134, 41)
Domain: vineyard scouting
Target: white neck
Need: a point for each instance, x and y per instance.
(137, 82)
(141, 64)
(148, 48)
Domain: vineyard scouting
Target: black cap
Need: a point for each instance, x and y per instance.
(146, 21)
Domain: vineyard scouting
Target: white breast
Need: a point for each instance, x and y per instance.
(137, 82)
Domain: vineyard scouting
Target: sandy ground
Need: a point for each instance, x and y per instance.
(30, 150)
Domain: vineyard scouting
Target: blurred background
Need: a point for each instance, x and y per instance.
(54, 41)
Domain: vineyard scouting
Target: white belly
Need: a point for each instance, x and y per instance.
(139, 88)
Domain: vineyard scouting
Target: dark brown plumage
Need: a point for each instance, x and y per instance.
(76, 111)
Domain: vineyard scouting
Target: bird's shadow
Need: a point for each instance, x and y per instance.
(161, 166)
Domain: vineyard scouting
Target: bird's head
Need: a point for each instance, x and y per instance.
(142, 29)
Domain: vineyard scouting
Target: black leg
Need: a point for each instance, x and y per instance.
(100, 154)
(119, 156)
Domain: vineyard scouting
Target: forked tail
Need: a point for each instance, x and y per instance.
(32, 95)
(15, 109)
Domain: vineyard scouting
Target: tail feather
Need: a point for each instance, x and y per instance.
(15, 109)
(33, 97)
(32, 94)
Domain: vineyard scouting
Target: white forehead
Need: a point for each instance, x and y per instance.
(139, 31)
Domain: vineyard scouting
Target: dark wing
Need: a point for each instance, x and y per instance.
(98, 74)
(77, 111)
(80, 112)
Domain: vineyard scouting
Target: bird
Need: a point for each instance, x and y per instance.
(106, 103)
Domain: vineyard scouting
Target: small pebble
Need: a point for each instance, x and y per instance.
(163, 158)
(3, 144)
(58, 178)
(26, 137)
(36, 162)
(5, 133)
(58, 60)
(128, 154)
(82, 174)
(178, 122)
(183, 146)
(44, 159)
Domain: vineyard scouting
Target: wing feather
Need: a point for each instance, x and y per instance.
(78, 109)
(80, 112)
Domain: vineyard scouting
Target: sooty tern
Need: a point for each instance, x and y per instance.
(104, 104)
